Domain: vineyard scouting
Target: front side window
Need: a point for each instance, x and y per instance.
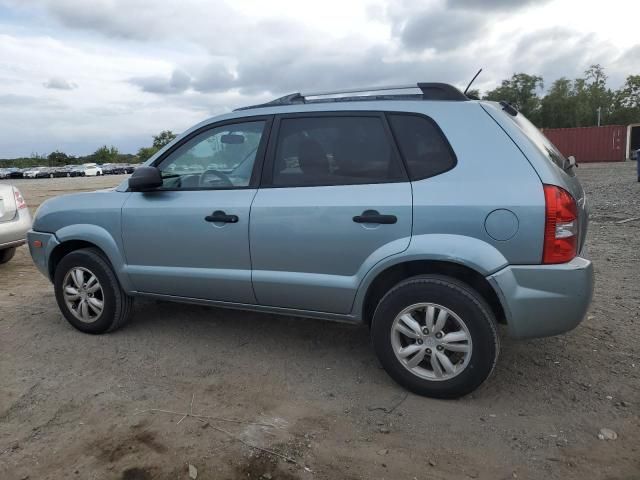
(221, 157)
(341, 150)
(423, 146)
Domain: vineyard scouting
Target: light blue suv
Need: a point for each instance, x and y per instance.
(424, 214)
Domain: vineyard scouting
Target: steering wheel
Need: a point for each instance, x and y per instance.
(205, 181)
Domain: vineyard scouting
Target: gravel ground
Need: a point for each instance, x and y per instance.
(79, 406)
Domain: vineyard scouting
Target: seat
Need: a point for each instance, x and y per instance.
(312, 159)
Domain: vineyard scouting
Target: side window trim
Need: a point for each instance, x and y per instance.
(254, 182)
(268, 164)
(440, 133)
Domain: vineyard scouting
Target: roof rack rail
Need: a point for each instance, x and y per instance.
(429, 91)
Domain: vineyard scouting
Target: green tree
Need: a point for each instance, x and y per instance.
(626, 102)
(58, 158)
(593, 96)
(629, 95)
(163, 138)
(145, 153)
(522, 91)
(105, 154)
(557, 107)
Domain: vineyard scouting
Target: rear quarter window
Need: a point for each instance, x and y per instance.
(422, 144)
(541, 142)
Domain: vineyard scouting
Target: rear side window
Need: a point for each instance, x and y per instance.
(423, 146)
(340, 150)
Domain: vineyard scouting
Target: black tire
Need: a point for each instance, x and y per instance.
(117, 307)
(467, 304)
(7, 254)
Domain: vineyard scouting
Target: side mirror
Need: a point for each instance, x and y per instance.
(145, 178)
(572, 161)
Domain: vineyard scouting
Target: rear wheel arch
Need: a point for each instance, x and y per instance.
(391, 276)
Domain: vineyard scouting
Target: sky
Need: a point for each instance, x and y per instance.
(78, 74)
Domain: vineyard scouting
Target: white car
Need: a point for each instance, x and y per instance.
(36, 172)
(15, 221)
(91, 170)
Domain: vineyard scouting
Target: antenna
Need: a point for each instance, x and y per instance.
(471, 82)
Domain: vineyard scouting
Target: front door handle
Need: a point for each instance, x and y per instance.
(221, 217)
(372, 216)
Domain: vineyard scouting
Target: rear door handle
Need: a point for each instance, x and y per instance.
(221, 217)
(372, 216)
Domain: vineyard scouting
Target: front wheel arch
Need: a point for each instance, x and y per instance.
(65, 248)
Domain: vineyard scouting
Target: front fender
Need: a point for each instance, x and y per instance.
(466, 251)
(102, 239)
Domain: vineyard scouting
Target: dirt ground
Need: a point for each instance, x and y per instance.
(79, 406)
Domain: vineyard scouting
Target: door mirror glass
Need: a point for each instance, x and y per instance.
(145, 178)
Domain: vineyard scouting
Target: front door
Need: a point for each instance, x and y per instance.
(335, 200)
(190, 237)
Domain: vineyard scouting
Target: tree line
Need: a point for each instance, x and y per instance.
(104, 154)
(571, 103)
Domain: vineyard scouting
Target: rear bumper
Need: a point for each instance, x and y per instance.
(544, 300)
(41, 255)
(14, 232)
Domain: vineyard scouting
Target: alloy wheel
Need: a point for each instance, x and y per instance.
(83, 294)
(431, 341)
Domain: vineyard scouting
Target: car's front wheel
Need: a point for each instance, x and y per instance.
(89, 294)
(435, 336)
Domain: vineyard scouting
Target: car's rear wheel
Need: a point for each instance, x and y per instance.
(435, 336)
(7, 254)
(89, 294)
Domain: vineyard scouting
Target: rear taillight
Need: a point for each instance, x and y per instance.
(20, 203)
(560, 226)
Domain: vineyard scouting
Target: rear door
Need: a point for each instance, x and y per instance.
(334, 200)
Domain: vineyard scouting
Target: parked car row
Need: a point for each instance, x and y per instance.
(84, 170)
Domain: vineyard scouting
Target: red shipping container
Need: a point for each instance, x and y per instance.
(590, 144)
